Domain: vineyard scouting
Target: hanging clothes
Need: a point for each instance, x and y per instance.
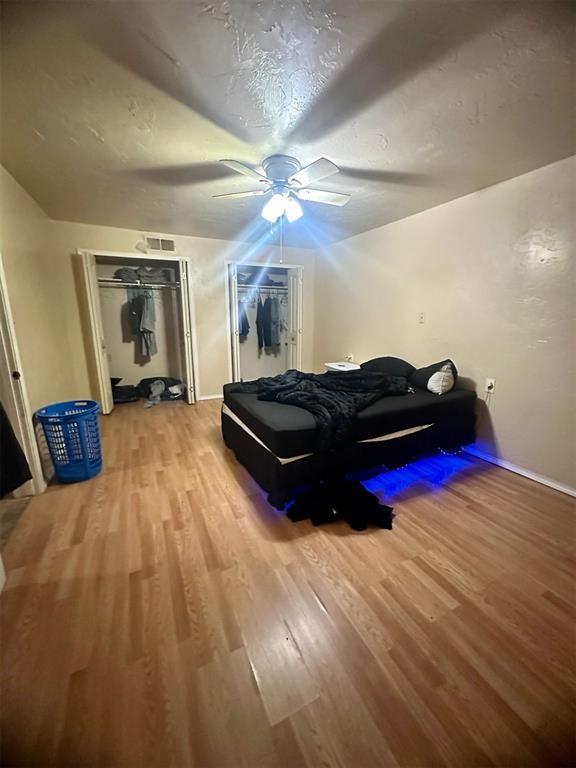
(148, 345)
(260, 323)
(143, 322)
(143, 275)
(267, 322)
(274, 322)
(243, 324)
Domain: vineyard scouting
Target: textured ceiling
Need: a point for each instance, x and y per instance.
(116, 113)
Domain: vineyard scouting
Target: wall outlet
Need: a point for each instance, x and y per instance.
(490, 386)
(421, 318)
(350, 358)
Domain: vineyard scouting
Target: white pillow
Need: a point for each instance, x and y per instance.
(442, 381)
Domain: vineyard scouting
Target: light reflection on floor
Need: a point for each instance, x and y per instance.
(420, 476)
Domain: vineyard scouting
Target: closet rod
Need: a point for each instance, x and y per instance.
(264, 287)
(123, 284)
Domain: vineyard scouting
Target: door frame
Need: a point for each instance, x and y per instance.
(18, 392)
(87, 256)
(233, 348)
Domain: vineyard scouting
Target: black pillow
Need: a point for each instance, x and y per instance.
(419, 377)
(393, 366)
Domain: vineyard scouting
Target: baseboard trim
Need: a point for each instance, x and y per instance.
(542, 479)
(210, 397)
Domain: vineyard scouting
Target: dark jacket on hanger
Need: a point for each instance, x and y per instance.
(274, 322)
(260, 322)
(267, 322)
(243, 324)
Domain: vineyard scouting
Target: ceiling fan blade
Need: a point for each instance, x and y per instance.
(319, 169)
(320, 196)
(244, 169)
(251, 193)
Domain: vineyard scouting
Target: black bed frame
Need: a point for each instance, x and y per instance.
(282, 480)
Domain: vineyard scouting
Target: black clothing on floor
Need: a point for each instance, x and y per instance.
(125, 393)
(14, 469)
(333, 398)
(341, 500)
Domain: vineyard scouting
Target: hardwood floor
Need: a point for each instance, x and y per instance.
(163, 614)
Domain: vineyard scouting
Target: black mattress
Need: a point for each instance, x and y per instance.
(289, 431)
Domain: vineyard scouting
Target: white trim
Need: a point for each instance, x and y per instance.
(263, 264)
(542, 479)
(210, 397)
(186, 318)
(233, 331)
(161, 256)
(400, 433)
(97, 338)
(20, 405)
(228, 323)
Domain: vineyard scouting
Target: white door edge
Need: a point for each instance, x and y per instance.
(24, 427)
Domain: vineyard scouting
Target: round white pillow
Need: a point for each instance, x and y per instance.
(442, 381)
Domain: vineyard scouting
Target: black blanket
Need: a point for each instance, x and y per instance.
(333, 398)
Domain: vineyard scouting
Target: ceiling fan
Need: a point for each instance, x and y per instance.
(287, 181)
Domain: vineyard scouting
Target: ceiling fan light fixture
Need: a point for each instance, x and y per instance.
(274, 208)
(292, 209)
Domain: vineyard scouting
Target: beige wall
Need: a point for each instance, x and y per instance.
(494, 274)
(208, 257)
(38, 283)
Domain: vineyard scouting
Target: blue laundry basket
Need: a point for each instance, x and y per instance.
(73, 435)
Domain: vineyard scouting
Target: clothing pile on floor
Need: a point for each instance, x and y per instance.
(341, 500)
(154, 390)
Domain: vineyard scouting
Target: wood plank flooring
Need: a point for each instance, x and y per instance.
(162, 614)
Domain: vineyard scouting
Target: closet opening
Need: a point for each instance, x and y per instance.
(265, 319)
(141, 326)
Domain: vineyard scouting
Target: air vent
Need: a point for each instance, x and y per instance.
(160, 244)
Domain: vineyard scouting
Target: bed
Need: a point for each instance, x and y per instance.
(275, 442)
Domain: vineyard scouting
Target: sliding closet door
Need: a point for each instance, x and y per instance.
(234, 324)
(186, 330)
(295, 318)
(98, 341)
